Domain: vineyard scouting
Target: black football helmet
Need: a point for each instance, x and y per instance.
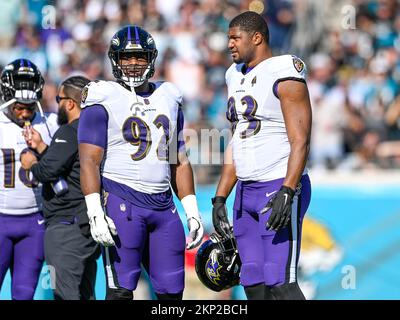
(132, 40)
(21, 80)
(218, 263)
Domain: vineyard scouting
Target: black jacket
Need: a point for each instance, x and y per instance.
(61, 159)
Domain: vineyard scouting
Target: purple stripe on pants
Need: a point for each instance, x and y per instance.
(267, 257)
(21, 243)
(155, 238)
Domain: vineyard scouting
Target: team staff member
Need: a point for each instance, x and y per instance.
(69, 247)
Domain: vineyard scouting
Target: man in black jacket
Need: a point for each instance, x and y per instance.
(69, 247)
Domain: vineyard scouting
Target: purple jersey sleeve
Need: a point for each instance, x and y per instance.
(93, 125)
(179, 130)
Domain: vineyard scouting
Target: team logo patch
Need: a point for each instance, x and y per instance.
(298, 64)
(136, 108)
(84, 94)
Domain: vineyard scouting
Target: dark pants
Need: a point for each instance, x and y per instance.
(71, 256)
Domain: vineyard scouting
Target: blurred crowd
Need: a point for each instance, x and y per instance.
(351, 49)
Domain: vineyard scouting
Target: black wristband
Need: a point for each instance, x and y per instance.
(289, 190)
(218, 199)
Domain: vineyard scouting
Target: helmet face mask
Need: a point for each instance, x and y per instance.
(128, 43)
(218, 263)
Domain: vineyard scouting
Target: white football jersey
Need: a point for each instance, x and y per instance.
(138, 128)
(20, 193)
(260, 143)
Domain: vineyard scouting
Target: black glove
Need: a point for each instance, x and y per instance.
(281, 205)
(220, 216)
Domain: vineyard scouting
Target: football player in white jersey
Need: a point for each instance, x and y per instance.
(270, 113)
(21, 221)
(129, 147)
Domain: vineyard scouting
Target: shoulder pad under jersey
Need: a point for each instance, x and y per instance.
(95, 92)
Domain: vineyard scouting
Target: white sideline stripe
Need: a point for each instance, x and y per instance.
(292, 269)
(111, 283)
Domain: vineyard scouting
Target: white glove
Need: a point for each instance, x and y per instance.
(101, 226)
(196, 230)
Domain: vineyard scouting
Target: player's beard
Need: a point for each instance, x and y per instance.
(62, 117)
(244, 57)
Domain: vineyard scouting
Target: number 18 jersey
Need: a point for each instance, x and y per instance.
(20, 192)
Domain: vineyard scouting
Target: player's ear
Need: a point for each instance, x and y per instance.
(257, 38)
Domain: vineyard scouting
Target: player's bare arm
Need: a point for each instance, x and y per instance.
(183, 185)
(182, 177)
(226, 183)
(90, 157)
(228, 177)
(101, 226)
(296, 109)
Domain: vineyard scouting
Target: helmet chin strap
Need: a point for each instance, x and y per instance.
(133, 85)
(5, 105)
(44, 118)
(40, 109)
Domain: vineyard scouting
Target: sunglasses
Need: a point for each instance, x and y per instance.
(58, 98)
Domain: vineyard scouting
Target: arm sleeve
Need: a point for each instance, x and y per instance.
(93, 125)
(59, 156)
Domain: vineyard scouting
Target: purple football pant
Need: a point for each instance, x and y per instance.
(21, 250)
(267, 256)
(154, 238)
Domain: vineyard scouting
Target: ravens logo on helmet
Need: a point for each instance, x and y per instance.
(218, 263)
